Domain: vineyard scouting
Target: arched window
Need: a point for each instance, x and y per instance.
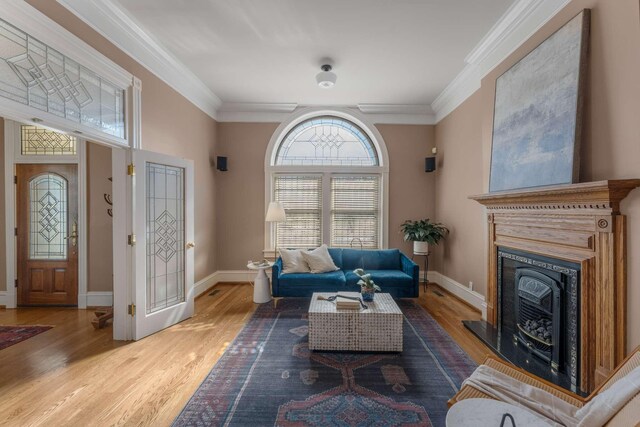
(329, 170)
(327, 141)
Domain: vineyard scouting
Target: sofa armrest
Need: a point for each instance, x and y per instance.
(411, 268)
(521, 375)
(276, 269)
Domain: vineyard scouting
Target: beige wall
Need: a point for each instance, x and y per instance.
(411, 189)
(170, 125)
(240, 218)
(100, 237)
(459, 174)
(611, 146)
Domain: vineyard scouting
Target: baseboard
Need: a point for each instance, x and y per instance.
(205, 284)
(99, 299)
(230, 276)
(459, 290)
(3, 298)
(239, 275)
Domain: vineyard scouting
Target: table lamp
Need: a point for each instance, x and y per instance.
(275, 214)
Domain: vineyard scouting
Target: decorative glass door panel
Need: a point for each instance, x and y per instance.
(164, 250)
(165, 236)
(49, 217)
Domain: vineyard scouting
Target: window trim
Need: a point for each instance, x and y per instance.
(382, 170)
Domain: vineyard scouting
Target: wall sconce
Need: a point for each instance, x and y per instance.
(430, 162)
(221, 163)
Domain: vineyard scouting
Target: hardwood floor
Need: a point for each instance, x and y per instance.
(73, 375)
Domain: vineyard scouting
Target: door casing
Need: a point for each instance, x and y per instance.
(48, 268)
(11, 159)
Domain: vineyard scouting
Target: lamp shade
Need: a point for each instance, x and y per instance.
(275, 212)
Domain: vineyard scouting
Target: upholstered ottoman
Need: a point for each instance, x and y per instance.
(378, 328)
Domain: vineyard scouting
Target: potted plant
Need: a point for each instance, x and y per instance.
(367, 286)
(423, 233)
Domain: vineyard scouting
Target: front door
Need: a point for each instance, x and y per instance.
(47, 234)
(164, 248)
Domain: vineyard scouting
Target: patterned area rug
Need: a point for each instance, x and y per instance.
(268, 376)
(10, 335)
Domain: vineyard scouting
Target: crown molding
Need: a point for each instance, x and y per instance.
(279, 112)
(519, 23)
(424, 110)
(248, 112)
(108, 19)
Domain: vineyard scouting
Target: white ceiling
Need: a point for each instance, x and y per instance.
(268, 51)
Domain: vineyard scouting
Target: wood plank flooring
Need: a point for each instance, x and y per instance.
(73, 375)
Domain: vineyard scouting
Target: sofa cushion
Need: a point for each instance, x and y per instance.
(336, 255)
(293, 261)
(387, 259)
(319, 260)
(382, 278)
(332, 279)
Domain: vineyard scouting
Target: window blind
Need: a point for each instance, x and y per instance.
(301, 196)
(355, 211)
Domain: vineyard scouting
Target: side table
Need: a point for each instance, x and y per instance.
(426, 266)
(489, 412)
(261, 285)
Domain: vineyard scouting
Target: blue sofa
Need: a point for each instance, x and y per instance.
(392, 270)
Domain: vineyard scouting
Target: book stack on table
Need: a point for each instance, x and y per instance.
(343, 303)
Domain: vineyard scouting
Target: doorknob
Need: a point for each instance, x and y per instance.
(74, 234)
(191, 245)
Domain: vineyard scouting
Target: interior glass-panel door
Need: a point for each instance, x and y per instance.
(164, 249)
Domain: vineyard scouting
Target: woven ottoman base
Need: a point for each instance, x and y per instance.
(379, 328)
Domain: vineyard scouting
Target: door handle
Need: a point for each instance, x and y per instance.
(74, 234)
(191, 245)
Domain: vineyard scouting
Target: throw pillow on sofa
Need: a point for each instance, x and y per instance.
(293, 261)
(319, 260)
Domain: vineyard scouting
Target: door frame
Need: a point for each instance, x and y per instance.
(12, 157)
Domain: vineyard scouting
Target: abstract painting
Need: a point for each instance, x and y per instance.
(538, 112)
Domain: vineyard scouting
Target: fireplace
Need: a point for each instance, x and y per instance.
(557, 261)
(538, 310)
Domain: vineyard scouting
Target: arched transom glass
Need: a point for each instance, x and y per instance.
(326, 141)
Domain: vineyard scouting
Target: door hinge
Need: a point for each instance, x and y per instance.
(131, 239)
(16, 283)
(15, 179)
(131, 309)
(131, 169)
(15, 231)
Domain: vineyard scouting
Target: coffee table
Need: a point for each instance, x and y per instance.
(378, 328)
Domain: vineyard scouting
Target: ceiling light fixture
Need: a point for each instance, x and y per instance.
(326, 78)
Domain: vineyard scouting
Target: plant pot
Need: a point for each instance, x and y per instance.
(420, 248)
(367, 294)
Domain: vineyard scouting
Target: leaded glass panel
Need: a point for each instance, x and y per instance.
(35, 141)
(36, 75)
(48, 206)
(165, 252)
(327, 141)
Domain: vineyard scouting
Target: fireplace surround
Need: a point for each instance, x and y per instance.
(578, 225)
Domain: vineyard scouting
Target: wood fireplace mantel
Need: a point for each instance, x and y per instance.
(579, 223)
